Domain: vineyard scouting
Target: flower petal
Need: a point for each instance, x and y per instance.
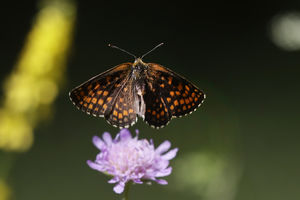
(114, 180)
(119, 188)
(107, 138)
(161, 181)
(163, 147)
(170, 155)
(125, 134)
(98, 143)
(94, 166)
(165, 172)
(138, 181)
(162, 164)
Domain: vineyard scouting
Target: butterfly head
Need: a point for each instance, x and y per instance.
(138, 60)
(139, 64)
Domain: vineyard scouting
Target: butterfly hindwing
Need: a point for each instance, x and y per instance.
(123, 113)
(156, 112)
(180, 95)
(96, 96)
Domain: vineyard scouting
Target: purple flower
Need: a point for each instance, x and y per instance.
(130, 159)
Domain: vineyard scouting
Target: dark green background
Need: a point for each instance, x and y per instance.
(251, 111)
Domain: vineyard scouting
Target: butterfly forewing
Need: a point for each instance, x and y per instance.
(96, 96)
(180, 95)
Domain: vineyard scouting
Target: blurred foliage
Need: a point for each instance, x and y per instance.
(210, 176)
(212, 168)
(35, 80)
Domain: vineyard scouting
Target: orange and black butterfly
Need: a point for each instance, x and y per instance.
(129, 90)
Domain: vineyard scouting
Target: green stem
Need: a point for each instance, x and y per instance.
(126, 191)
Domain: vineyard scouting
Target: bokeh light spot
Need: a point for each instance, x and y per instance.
(285, 31)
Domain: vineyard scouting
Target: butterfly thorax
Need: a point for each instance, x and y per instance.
(139, 69)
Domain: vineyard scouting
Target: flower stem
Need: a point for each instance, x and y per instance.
(126, 191)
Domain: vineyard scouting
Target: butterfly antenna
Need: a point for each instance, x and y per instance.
(113, 46)
(152, 50)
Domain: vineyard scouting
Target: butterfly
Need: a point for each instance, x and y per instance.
(148, 90)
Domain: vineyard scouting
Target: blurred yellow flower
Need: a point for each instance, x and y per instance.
(5, 192)
(34, 83)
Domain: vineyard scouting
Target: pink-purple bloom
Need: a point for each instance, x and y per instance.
(127, 158)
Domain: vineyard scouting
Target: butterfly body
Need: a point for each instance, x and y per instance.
(129, 90)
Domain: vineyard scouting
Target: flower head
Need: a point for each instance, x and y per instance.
(127, 158)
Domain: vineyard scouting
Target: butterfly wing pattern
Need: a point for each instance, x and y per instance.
(98, 95)
(169, 95)
(157, 113)
(123, 112)
(128, 90)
